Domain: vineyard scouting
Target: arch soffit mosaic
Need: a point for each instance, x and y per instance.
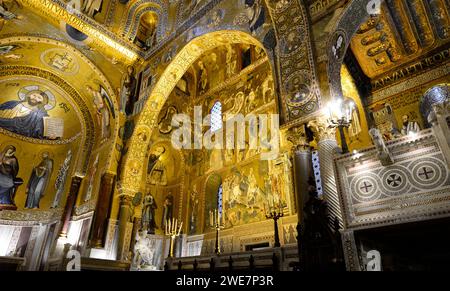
(164, 86)
(354, 15)
(296, 70)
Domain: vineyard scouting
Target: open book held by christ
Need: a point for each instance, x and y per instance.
(53, 127)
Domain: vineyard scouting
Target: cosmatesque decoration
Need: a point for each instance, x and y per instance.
(374, 194)
(300, 92)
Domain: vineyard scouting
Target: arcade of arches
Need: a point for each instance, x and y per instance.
(151, 135)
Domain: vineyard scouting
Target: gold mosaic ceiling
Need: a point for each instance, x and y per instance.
(405, 31)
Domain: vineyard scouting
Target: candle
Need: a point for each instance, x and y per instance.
(179, 230)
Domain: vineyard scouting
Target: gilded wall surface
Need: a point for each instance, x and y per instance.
(240, 79)
(58, 111)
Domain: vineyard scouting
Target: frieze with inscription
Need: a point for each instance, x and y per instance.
(419, 67)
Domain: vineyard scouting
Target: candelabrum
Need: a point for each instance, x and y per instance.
(340, 115)
(274, 210)
(217, 222)
(172, 230)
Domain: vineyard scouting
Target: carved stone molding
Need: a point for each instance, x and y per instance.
(30, 217)
(85, 208)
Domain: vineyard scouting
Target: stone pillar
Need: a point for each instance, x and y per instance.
(100, 223)
(438, 118)
(125, 226)
(70, 204)
(327, 146)
(302, 165)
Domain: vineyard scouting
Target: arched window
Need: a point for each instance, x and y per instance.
(216, 116)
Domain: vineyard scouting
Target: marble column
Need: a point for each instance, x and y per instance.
(302, 165)
(327, 147)
(100, 223)
(439, 119)
(70, 205)
(125, 227)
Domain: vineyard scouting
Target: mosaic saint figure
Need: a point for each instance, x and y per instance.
(127, 98)
(194, 210)
(255, 13)
(203, 78)
(103, 118)
(165, 124)
(9, 168)
(92, 179)
(40, 176)
(252, 191)
(231, 61)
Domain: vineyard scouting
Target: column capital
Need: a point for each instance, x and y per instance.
(125, 192)
(298, 137)
(322, 129)
(126, 199)
(109, 176)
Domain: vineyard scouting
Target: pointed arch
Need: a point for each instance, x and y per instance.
(134, 166)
